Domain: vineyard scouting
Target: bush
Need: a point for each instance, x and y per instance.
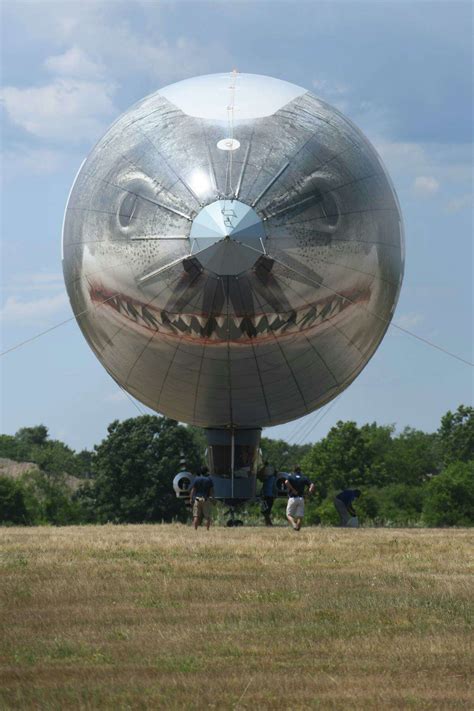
(368, 506)
(17, 504)
(449, 498)
(11, 448)
(326, 514)
(51, 499)
(400, 504)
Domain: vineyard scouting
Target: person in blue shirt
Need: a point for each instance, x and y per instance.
(296, 485)
(201, 492)
(343, 503)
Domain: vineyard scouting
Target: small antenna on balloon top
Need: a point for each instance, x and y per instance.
(230, 136)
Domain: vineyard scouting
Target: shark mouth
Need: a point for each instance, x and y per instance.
(223, 327)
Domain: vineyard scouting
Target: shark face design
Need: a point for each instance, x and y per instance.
(239, 279)
(222, 329)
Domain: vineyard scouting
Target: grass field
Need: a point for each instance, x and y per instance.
(151, 617)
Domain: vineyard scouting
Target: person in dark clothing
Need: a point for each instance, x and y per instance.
(343, 503)
(201, 492)
(268, 492)
(296, 485)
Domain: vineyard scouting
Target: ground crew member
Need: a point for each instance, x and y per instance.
(343, 504)
(296, 485)
(268, 492)
(201, 492)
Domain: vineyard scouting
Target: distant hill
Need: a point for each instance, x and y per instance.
(15, 470)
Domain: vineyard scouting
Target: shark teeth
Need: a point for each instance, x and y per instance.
(271, 318)
(303, 313)
(223, 327)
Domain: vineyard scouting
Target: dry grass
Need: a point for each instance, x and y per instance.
(147, 617)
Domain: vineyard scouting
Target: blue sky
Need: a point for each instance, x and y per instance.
(402, 71)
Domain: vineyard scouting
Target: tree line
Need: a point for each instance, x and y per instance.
(411, 478)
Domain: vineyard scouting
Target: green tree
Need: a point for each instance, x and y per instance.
(13, 502)
(200, 440)
(32, 435)
(456, 435)
(55, 457)
(378, 445)
(84, 464)
(11, 448)
(134, 469)
(281, 455)
(413, 457)
(85, 500)
(342, 459)
(398, 504)
(449, 498)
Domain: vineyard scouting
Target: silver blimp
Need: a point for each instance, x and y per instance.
(233, 251)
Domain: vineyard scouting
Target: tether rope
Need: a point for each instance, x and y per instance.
(314, 424)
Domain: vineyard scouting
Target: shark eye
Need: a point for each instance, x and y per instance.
(322, 205)
(330, 211)
(133, 202)
(126, 209)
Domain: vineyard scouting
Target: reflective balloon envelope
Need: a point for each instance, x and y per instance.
(233, 249)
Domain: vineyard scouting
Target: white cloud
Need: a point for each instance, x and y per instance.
(79, 103)
(35, 312)
(460, 203)
(33, 299)
(66, 109)
(407, 161)
(103, 33)
(75, 63)
(125, 52)
(425, 185)
(94, 50)
(59, 22)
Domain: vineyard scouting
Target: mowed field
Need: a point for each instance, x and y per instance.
(151, 617)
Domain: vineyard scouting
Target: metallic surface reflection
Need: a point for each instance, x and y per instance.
(268, 304)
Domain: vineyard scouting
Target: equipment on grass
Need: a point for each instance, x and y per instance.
(353, 522)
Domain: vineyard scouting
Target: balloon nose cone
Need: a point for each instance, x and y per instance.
(227, 237)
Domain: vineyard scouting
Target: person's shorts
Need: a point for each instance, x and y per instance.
(295, 507)
(202, 508)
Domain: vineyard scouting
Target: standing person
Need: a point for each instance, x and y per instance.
(296, 485)
(201, 492)
(268, 492)
(343, 504)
